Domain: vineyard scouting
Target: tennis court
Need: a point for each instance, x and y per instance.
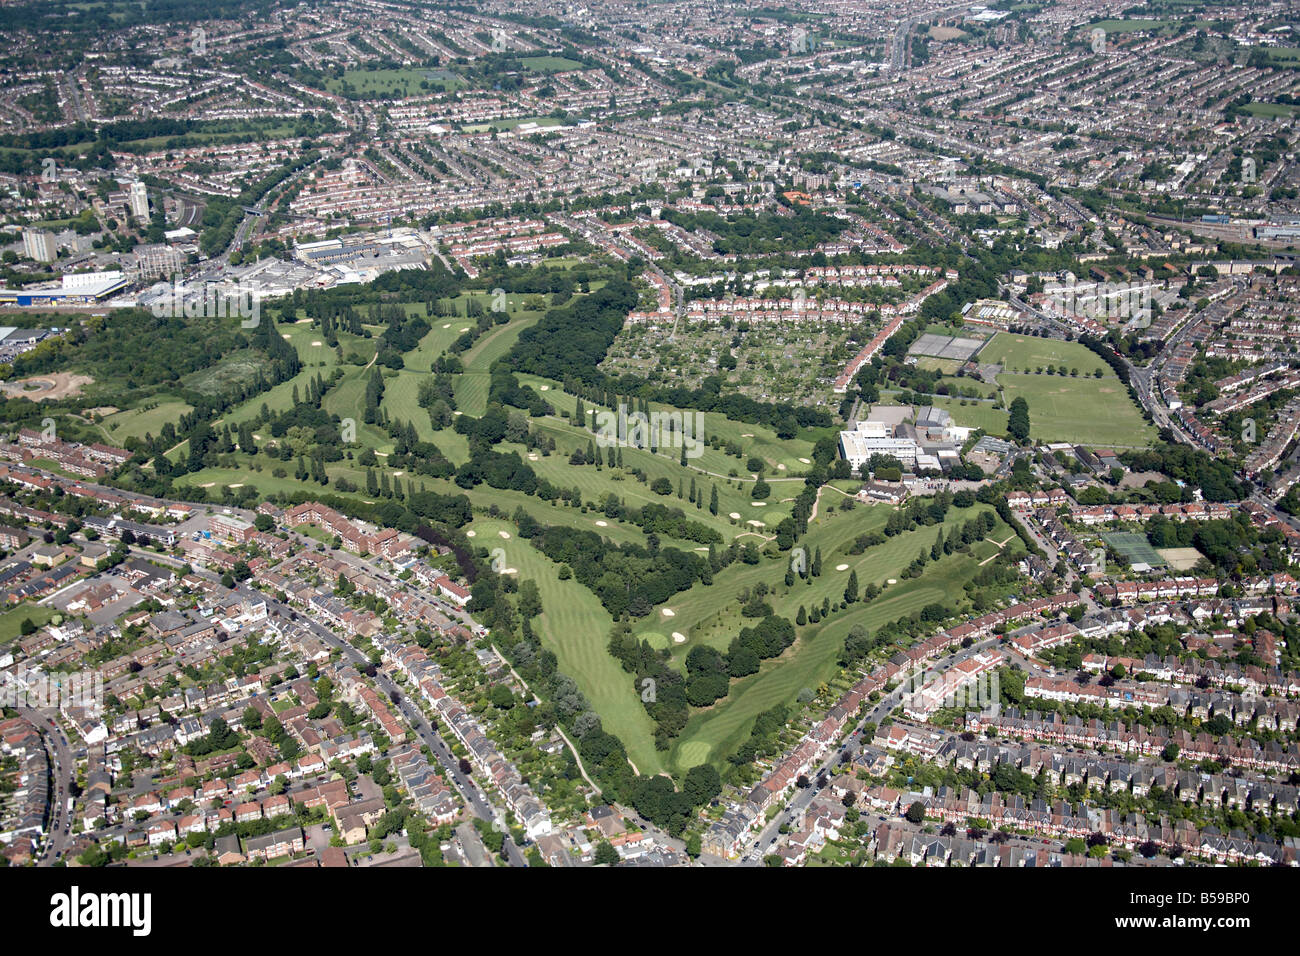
(1133, 548)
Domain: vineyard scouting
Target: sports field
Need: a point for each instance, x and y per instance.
(1087, 411)
(1078, 408)
(1023, 353)
(1133, 547)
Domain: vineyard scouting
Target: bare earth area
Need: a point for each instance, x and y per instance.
(42, 387)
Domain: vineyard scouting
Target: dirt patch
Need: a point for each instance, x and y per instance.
(946, 33)
(39, 388)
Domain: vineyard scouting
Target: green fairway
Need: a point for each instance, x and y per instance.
(711, 614)
(471, 386)
(711, 734)
(575, 626)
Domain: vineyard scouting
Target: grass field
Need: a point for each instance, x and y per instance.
(11, 621)
(138, 422)
(1027, 352)
(1271, 109)
(503, 125)
(978, 415)
(1083, 410)
(549, 64)
(407, 82)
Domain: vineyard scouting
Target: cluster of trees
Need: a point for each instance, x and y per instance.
(760, 233)
(628, 579)
(1018, 420)
(403, 333)
(668, 696)
(660, 802)
(764, 737)
(660, 519)
(924, 512)
(219, 737)
(1193, 467)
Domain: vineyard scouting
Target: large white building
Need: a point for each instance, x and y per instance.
(39, 245)
(139, 198)
(878, 438)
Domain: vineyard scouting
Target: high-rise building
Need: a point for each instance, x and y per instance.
(139, 201)
(39, 245)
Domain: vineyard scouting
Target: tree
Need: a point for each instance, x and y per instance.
(1018, 420)
(702, 784)
(606, 855)
(851, 589)
(916, 812)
